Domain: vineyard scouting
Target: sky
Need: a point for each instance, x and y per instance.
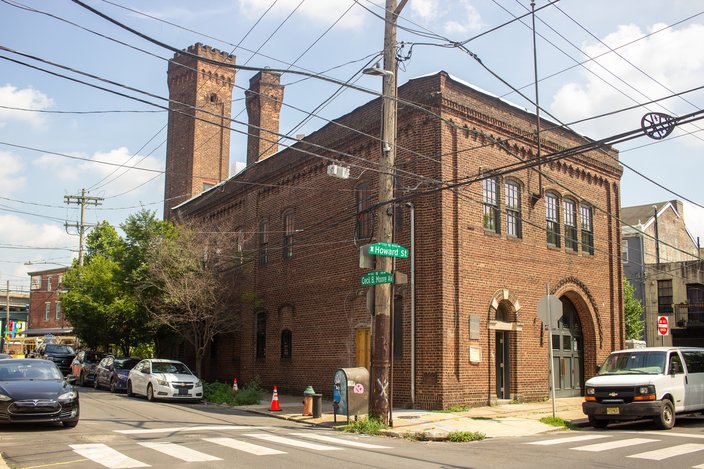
(59, 136)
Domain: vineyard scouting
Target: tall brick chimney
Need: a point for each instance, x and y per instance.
(264, 98)
(198, 142)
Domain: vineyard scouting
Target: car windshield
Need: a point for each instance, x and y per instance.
(159, 367)
(94, 356)
(625, 363)
(125, 363)
(29, 370)
(59, 348)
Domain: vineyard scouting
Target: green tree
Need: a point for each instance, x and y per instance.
(100, 301)
(633, 312)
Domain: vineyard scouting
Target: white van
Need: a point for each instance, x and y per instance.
(655, 382)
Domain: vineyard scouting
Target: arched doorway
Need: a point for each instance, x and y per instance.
(503, 355)
(568, 351)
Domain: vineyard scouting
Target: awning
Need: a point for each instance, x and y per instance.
(49, 330)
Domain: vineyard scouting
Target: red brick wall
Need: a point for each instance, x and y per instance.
(460, 268)
(45, 289)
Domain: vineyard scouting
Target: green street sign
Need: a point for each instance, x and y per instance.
(388, 250)
(376, 277)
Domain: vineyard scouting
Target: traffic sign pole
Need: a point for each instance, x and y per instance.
(552, 361)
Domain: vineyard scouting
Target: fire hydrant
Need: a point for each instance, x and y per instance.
(308, 401)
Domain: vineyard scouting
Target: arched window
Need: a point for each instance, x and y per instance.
(570, 213)
(490, 200)
(513, 209)
(552, 219)
(585, 212)
(288, 235)
(261, 335)
(286, 344)
(364, 216)
(264, 242)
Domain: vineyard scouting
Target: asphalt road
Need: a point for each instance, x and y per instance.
(120, 432)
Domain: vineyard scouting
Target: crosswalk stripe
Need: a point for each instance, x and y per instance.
(108, 457)
(188, 429)
(339, 441)
(291, 442)
(572, 439)
(179, 452)
(664, 453)
(244, 446)
(614, 444)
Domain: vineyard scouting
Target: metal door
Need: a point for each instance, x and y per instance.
(567, 350)
(503, 388)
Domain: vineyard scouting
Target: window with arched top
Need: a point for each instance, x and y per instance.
(264, 242)
(552, 219)
(585, 215)
(512, 198)
(286, 344)
(490, 201)
(569, 208)
(287, 250)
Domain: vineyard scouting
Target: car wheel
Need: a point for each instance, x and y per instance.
(95, 383)
(81, 379)
(596, 423)
(665, 420)
(113, 385)
(70, 423)
(129, 389)
(150, 393)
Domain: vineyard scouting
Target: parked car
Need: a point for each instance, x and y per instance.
(112, 372)
(164, 379)
(656, 382)
(33, 391)
(62, 355)
(5, 355)
(83, 366)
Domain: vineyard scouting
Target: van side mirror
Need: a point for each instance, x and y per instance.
(674, 368)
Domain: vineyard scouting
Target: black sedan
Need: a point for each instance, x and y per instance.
(34, 391)
(112, 372)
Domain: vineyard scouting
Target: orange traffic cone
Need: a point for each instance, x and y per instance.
(234, 385)
(275, 401)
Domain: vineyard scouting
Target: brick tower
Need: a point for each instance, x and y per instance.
(198, 145)
(264, 98)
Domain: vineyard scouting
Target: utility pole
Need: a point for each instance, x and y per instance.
(7, 316)
(81, 200)
(381, 360)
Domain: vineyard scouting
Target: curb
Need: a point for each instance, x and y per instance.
(3, 464)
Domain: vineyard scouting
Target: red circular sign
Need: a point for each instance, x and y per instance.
(663, 325)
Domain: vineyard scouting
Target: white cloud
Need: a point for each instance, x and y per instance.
(113, 178)
(694, 219)
(27, 98)
(10, 167)
(463, 20)
(17, 230)
(660, 72)
(325, 11)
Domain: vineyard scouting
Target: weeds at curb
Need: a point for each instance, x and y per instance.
(558, 422)
(369, 426)
(460, 437)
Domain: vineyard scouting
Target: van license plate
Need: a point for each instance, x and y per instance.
(612, 411)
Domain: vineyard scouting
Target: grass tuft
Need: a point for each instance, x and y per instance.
(369, 426)
(459, 437)
(557, 422)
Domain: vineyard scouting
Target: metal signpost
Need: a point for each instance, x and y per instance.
(550, 312)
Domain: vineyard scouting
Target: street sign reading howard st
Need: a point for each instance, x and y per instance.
(388, 250)
(376, 277)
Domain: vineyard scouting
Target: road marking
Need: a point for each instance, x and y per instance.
(670, 433)
(188, 429)
(339, 441)
(291, 442)
(572, 439)
(108, 457)
(244, 446)
(664, 453)
(180, 452)
(615, 444)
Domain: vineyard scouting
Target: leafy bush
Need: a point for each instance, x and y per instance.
(222, 393)
(369, 426)
(459, 437)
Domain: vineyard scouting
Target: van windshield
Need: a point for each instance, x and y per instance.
(634, 363)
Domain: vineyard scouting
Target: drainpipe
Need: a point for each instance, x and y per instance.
(413, 303)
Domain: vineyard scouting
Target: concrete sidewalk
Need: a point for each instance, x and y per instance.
(493, 421)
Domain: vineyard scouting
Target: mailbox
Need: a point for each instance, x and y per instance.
(351, 394)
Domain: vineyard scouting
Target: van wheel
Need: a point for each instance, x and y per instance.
(596, 423)
(665, 420)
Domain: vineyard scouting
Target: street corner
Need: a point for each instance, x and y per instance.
(420, 434)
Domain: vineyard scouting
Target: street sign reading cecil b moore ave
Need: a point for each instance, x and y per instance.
(388, 250)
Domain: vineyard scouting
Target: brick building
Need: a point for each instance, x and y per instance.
(482, 254)
(45, 314)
